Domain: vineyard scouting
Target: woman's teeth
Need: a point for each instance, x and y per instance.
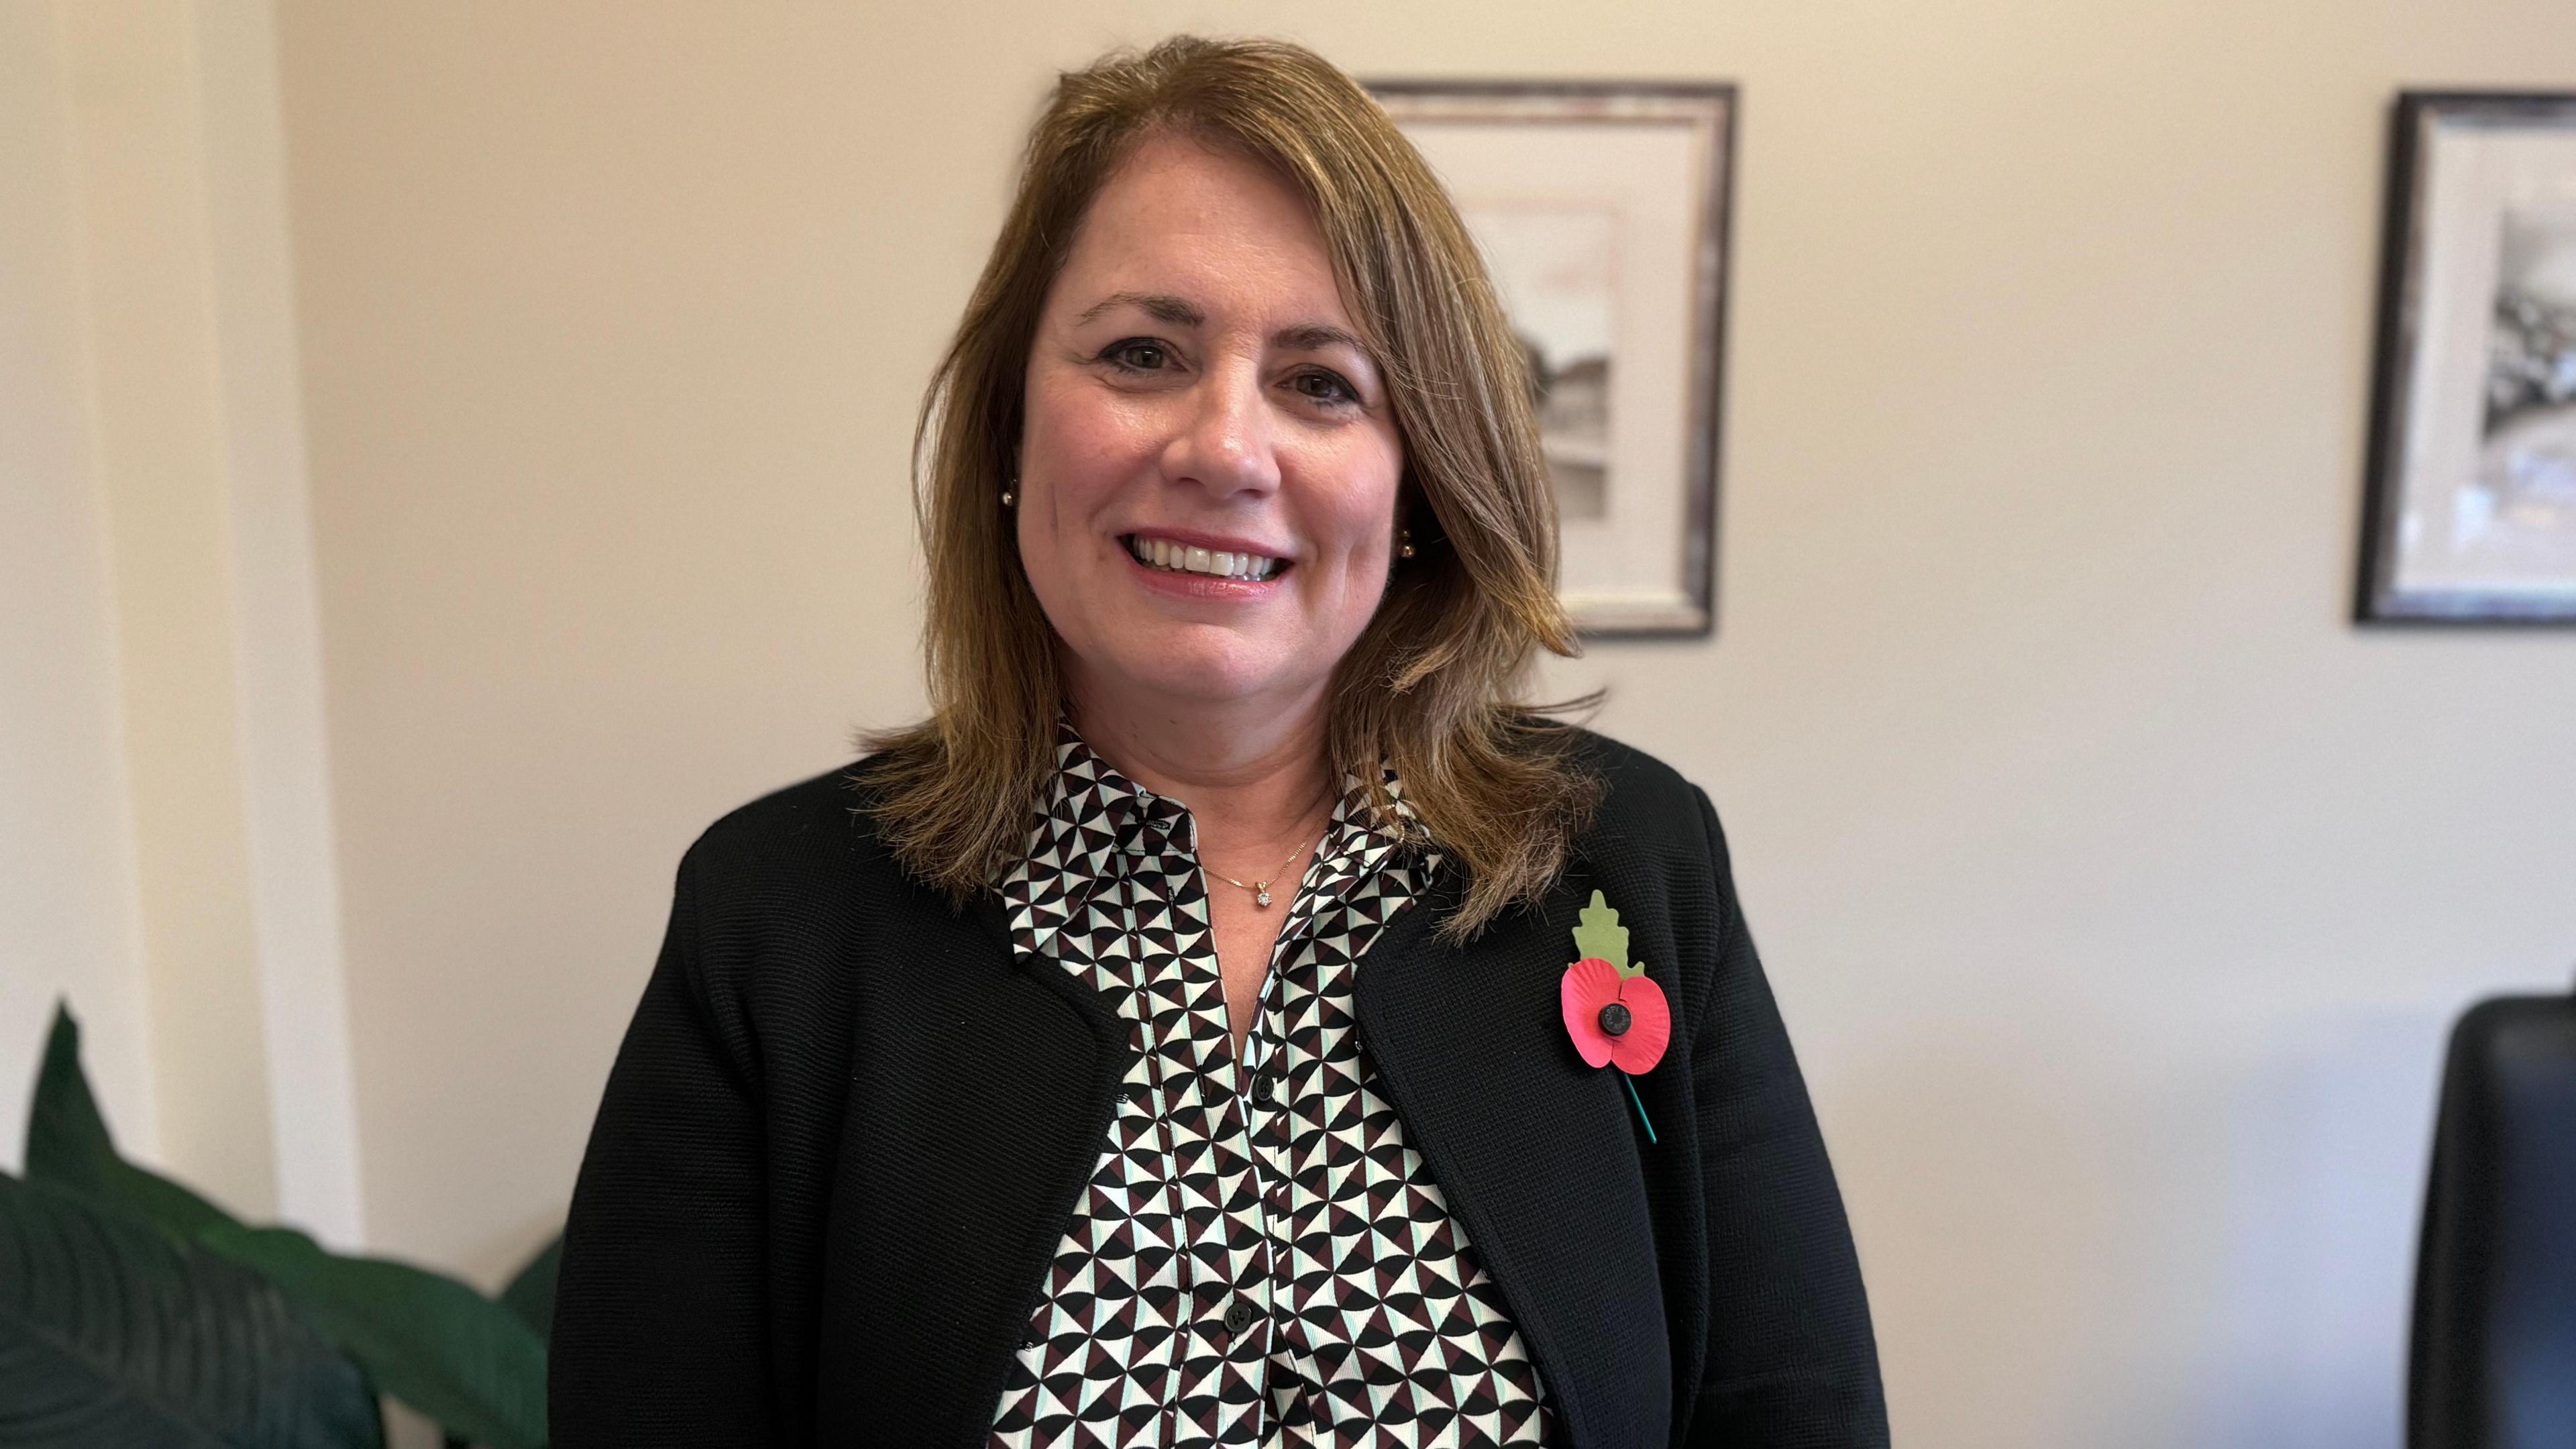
(1162, 553)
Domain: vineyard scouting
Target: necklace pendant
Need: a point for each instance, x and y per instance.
(1261, 893)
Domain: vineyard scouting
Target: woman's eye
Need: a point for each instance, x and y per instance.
(1325, 387)
(1136, 354)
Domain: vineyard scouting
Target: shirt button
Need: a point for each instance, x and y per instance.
(1265, 1092)
(1240, 1316)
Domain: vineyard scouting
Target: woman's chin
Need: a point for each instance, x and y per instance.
(1221, 670)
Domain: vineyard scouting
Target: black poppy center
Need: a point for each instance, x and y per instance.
(1614, 1020)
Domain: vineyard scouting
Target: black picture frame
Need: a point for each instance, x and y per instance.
(2414, 273)
(1680, 598)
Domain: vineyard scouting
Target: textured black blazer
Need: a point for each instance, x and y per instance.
(847, 1129)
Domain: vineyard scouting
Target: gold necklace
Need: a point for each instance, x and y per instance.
(1261, 888)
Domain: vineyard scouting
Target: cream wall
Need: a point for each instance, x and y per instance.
(166, 861)
(2117, 891)
(69, 920)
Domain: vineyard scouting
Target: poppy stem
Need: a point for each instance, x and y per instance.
(1641, 1106)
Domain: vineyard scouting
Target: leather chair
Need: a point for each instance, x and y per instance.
(2494, 1355)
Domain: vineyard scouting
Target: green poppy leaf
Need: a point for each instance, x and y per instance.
(1600, 934)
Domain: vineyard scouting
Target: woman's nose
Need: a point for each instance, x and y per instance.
(1224, 444)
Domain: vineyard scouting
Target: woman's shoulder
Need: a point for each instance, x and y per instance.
(812, 842)
(777, 896)
(1646, 806)
(825, 814)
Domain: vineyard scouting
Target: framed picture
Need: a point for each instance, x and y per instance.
(2471, 512)
(1601, 209)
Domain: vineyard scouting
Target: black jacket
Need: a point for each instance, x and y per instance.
(847, 1130)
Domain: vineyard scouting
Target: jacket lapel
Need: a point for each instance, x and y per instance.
(980, 1093)
(1537, 1154)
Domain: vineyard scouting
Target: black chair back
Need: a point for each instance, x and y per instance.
(2494, 1355)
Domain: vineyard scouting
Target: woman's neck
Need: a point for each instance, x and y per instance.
(1253, 774)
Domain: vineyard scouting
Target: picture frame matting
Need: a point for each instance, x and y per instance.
(1603, 209)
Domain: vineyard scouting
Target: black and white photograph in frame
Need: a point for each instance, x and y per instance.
(1601, 209)
(2471, 513)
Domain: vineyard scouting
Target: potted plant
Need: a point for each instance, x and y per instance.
(136, 1314)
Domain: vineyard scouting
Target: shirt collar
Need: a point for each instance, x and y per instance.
(1091, 815)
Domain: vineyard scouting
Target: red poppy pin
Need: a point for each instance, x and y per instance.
(1617, 1017)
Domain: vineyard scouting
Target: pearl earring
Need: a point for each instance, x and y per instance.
(1404, 548)
(1008, 496)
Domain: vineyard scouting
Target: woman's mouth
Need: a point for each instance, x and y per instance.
(1173, 557)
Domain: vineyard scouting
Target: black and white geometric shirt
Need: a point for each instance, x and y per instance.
(1260, 1259)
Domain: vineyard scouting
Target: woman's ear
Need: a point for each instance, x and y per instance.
(1415, 523)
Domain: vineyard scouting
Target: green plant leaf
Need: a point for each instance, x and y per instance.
(531, 1294)
(113, 1335)
(427, 1339)
(68, 1145)
(1600, 934)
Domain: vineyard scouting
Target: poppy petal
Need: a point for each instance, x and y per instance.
(1589, 985)
(1650, 1026)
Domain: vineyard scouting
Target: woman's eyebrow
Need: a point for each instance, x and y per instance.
(1160, 306)
(1180, 312)
(1315, 337)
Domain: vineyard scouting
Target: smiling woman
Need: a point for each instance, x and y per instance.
(1227, 256)
(982, 1094)
(1179, 440)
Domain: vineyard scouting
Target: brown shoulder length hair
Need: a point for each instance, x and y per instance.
(1434, 685)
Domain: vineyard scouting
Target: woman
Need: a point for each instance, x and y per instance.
(1172, 1039)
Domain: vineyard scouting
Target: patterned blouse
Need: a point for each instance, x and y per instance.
(1260, 1259)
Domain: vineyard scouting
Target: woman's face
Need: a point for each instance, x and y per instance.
(1208, 465)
